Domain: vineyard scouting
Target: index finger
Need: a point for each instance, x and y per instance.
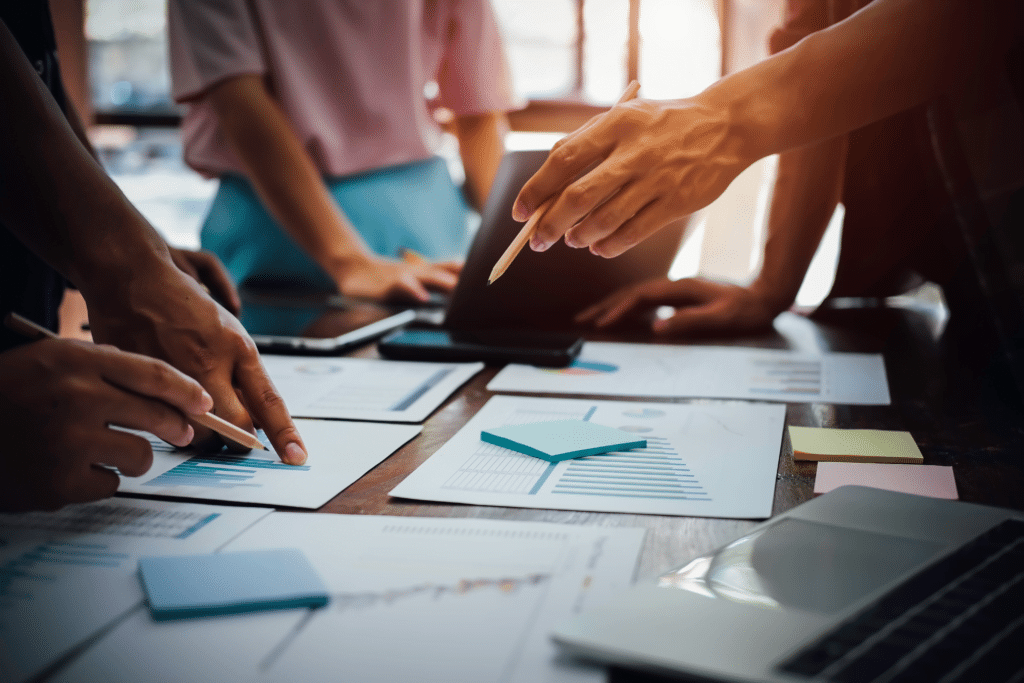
(267, 406)
(567, 160)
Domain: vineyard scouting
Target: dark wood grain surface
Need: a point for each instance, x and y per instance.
(955, 417)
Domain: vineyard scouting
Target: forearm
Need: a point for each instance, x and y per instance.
(829, 84)
(481, 146)
(808, 187)
(283, 174)
(55, 197)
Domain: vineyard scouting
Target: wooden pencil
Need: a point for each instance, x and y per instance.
(528, 229)
(26, 327)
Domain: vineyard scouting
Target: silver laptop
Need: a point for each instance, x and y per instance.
(858, 585)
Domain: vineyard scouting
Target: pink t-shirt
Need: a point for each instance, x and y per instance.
(349, 74)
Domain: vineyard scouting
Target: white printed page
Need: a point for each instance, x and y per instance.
(434, 600)
(365, 389)
(702, 459)
(339, 453)
(670, 371)
(65, 575)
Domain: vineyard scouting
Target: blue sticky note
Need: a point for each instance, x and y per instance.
(561, 440)
(230, 583)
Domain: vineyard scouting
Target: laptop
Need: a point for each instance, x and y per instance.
(542, 290)
(857, 585)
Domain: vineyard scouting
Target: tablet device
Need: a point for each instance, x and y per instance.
(272, 343)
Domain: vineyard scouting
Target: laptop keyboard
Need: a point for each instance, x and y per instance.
(959, 620)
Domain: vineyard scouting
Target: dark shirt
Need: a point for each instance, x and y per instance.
(937, 192)
(27, 284)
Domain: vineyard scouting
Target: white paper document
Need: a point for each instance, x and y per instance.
(365, 389)
(66, 575)
(426, 600)
(705, 460)
(668, 371)
(339, 453)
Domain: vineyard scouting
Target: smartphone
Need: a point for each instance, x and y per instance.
(490, 346)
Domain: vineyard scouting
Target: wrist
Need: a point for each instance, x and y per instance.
(774, 294)
(342, 264)
(126, 281)
(750, 102)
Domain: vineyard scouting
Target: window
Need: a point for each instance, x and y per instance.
(570, 55)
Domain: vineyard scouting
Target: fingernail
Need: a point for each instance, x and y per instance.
(189, 435)
(206, 402)
(521, 212)
(294, 455)
(537, 244)
(573, 243)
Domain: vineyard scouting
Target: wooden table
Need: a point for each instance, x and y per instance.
(955, 420)
(954, 415)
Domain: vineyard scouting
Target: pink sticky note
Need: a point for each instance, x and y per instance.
(923, 480)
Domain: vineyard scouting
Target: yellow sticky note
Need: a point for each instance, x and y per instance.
(854, 445)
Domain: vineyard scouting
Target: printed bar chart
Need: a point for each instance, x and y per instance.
(219, 471)
(715, 460)
(653, 472)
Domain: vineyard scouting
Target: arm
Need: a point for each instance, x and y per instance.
(481, 146)
(291, 188)
(656, 161)
(807, 189)
(60, 203)
(202, 265)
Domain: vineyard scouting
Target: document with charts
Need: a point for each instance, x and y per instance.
(702, 459)
(412, 599)
(339, 453)
(365, 389)
(670, 371)
(65, 575)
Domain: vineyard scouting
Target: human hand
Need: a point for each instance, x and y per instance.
(59, 398)
(702, 306)
(208, 271)
(166, 314)
(631, 171)
(372, 277)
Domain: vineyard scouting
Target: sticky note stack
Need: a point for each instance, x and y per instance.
(854, 445)
(562, 439)
(922, 480)
(230, 583)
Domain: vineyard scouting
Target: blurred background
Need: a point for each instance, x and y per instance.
(570, 59)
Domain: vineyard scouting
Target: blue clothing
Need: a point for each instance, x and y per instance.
(412, 206)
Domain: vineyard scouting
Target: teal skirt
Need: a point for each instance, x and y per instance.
(413, 206)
